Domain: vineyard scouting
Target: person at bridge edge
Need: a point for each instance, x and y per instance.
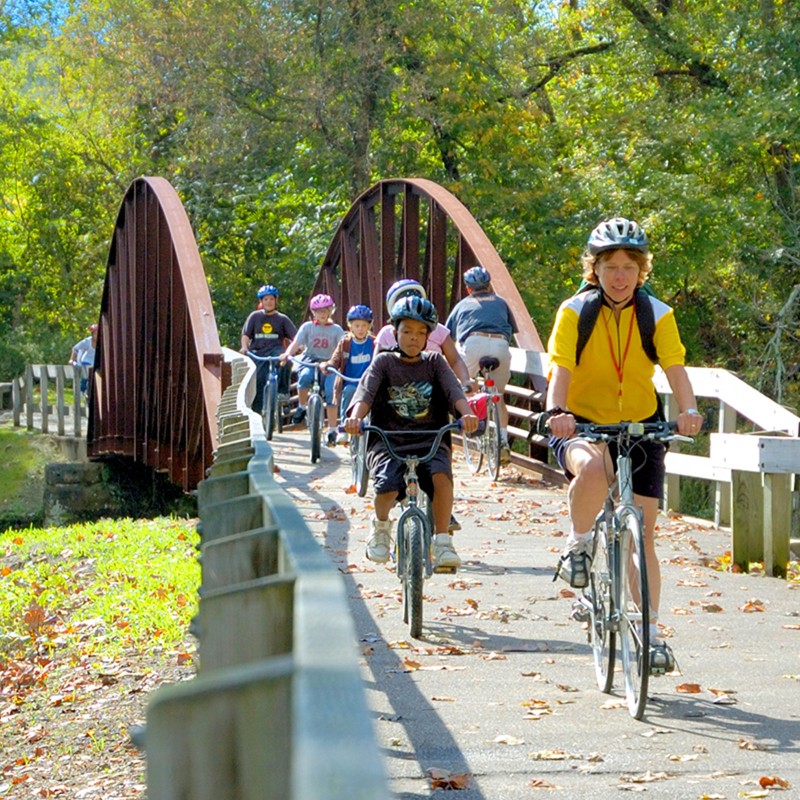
(265, 333)
(409, 388)
(83, 353)
(482, 325)
(610, 383)
(317, 338)
(351, 357)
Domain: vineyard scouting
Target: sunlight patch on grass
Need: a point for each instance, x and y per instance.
(97, 588)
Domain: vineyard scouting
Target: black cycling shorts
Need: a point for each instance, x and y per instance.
(647, 464)
(387, 474)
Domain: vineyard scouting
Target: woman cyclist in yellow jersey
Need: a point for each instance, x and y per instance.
(610, 383)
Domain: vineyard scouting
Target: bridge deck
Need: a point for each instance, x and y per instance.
(502, 686)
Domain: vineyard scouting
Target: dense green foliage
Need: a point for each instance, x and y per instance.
(270, 117)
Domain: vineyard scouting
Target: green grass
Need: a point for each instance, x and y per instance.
(97, 589)
(23, 456)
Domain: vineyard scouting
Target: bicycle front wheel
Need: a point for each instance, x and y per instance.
(473, 450)
(358, 456)
(411, 529)
(634, 612)
(270, 409)
(492, 440)
(315, 426)
(602, 637)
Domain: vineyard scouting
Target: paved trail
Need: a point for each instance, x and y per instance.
(500, 693)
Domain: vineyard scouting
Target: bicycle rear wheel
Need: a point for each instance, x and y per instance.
(358, 456)
(270, 409)
(473, 450)
(601, 637)
(315, 426)
(492, 440)
(411, 529)
(634, 611)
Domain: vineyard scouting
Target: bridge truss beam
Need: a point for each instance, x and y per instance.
(414, 228)
(158, 369)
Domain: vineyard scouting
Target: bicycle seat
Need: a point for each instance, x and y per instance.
(489, 363)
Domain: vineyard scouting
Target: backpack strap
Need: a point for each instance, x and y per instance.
(587, 319)
(645, 319)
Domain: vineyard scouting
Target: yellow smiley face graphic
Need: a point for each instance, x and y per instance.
(266, 327)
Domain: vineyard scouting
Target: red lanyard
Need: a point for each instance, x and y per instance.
(618, 366)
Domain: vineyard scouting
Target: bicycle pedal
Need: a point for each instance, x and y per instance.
(580, 613)
(445, 570)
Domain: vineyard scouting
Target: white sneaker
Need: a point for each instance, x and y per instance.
(444, 554)
(573, 565)
(379, 544)
(342, 438)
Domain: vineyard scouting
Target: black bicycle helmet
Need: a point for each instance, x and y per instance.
(417, 308)
(360, 312)
(477, 278)
(617, 233)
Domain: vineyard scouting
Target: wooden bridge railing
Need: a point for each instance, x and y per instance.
(278, 709)
(754, 473)
(51, 391)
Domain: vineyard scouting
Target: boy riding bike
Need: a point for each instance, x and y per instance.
(409, 389)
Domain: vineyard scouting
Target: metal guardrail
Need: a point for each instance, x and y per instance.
(278, 708)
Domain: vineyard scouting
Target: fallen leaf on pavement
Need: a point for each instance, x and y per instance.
(442, 779)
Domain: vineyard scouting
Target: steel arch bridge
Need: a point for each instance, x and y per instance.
(159, 370)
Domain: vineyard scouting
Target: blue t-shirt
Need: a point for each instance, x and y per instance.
(358, 358)
(483, 312)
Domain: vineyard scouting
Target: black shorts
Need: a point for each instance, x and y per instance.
(387, 474)
(647, 464)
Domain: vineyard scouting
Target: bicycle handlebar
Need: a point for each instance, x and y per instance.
(342, 375)
(271, 359)
(661, 431)
(421, 459)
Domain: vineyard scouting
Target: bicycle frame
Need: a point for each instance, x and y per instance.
(486, 444)
(315, 414)
(617, 597)
(358, 448)
(271, 412)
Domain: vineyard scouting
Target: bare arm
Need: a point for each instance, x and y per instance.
(450, 352)
(563, 424)
(689, 421)
(352, 423)
(245, 343)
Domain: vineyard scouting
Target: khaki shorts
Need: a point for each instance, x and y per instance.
(474, 348)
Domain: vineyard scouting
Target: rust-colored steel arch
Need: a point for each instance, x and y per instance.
(414, 228)
(158, 370)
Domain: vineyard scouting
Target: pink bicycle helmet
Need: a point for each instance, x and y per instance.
(320, 301)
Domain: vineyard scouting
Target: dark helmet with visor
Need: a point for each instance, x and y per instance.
(417, 308)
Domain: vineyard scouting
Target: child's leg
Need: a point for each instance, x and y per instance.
(384, 503)
(442, 501)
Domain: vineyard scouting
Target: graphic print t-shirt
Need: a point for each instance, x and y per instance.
(409, 396)
(267, 332)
